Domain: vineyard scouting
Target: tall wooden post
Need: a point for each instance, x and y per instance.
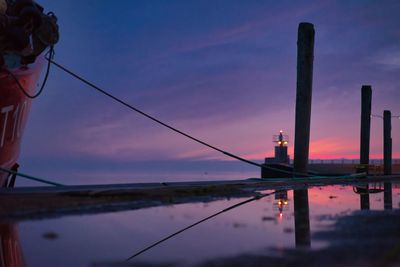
(366, 99)
(366, 96)
(387, 158)
(387, 142)
(305, 58)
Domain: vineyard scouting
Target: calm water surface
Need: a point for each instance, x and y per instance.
(264, 225)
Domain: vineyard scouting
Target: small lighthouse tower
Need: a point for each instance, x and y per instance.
(281, 154)
(281, 157)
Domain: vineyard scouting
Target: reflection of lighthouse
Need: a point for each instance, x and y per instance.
(282, 202)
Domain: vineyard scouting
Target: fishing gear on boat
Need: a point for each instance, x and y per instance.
(201, 221)
(174, 129)
(25, 32)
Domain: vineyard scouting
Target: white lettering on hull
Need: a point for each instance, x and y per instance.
(5, 111)
(15, 127)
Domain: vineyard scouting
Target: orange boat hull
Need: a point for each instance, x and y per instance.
(14, 110)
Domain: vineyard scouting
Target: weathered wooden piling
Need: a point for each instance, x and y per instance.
(387, 142)
(366, 97)
(305, 58)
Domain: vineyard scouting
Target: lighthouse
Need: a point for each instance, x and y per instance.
(281, 150)
(281, 160)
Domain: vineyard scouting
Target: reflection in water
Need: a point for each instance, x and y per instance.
(10, 253)
(301, 207)
(282, 202)
(364, 200)
(301, 218)
(363, 191)
(132, 230)
(387, 196)
(366, 190)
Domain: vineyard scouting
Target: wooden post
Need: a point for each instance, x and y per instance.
(366, 99)
(366, 96)
(305, 58)
(387, 142)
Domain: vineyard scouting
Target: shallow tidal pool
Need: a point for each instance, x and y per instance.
(268, 226)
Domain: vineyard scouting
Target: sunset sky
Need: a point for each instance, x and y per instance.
(224, 71)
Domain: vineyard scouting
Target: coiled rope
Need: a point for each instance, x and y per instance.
(174, 129)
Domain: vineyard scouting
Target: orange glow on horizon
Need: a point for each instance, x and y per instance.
(327, 148)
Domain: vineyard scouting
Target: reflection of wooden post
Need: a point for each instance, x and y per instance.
(387, 142)
(301, 218)
(366, 95)
(387, 196)
(305, 58)
(364, 200)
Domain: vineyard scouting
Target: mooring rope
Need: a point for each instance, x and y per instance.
(30, 177)
(380, 116)
(201, 221)
(50, 53)
(174, 129)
